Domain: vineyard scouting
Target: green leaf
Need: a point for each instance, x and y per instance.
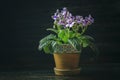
(89, 37)
(63, 35)
(85, 43)
(42, 45)
(85, 40)
(75, 43)
(46, 42)
(77, 35)
(71, 34)
(53, 30)
(53, 44)
(72, 42)
(46, 49)
(49, 37)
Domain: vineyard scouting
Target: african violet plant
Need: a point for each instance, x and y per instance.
(68, 29)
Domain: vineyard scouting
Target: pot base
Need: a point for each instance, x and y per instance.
(67, 71)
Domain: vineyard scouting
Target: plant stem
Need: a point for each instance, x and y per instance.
(83, 30)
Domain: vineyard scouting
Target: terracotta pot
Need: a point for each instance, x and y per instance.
(66, 63)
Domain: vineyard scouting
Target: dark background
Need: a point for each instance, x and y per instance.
(24, 23)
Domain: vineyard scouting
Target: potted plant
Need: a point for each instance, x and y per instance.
(67, 41)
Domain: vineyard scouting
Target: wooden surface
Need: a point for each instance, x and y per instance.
(91, 72)
(49, 75)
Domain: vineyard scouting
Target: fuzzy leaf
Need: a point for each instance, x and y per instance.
(46, 42)
(49, 37)
(42, 45)
(75, 43)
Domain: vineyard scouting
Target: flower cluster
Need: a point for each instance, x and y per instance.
(66, 19)
(68, 30)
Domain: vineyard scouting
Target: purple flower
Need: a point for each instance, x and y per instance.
(65, 18)
(69, 20)
(90, 18)
(61, 22)
(84, 23)
(64, 11)
(55, 16)
(79, 19)
(70, 24)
